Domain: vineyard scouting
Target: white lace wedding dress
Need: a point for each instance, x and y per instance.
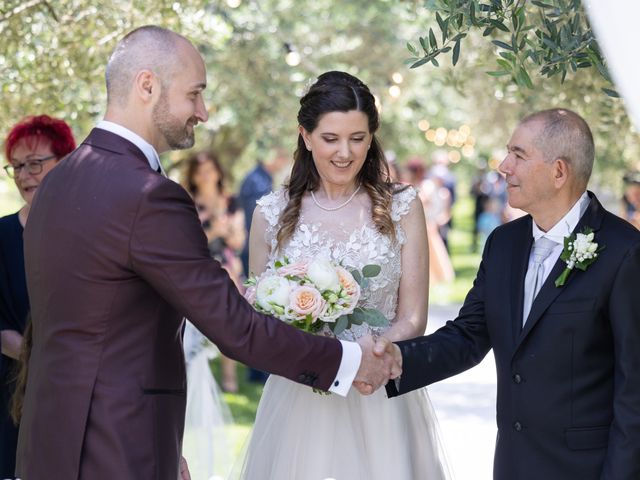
(302, 435)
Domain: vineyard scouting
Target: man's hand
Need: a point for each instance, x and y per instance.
(184, 470)
(381, 361)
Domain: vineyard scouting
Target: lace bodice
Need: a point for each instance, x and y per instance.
(347, 236)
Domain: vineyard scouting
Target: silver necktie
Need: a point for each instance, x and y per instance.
(533, 281)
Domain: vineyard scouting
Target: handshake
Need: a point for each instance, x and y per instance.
(381, 362)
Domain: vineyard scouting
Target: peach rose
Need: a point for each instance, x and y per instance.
(304, 300)
(349, 284)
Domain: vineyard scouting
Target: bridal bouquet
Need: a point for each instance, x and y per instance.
(312, 294)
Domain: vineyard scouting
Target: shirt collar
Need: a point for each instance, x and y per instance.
(566, 225)
(144, 146)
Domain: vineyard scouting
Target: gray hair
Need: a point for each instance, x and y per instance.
(146, 48)
(565, 135)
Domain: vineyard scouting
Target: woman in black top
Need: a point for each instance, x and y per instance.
(33, 147)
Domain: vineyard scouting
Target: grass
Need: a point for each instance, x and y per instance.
(243, 404)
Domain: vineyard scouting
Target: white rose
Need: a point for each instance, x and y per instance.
(323, 275)
(273, 290)
(581, 243)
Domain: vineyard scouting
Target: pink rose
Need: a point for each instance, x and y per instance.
(297, 269)
(305, 301)
(351, 287)
(250, 294)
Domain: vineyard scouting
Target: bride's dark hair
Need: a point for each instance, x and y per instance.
(338, 92)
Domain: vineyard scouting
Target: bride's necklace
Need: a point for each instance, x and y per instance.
(333, 209)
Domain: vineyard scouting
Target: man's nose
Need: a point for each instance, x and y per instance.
(201, 111)
(505, 165)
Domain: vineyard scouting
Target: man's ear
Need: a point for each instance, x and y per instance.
(146, 86)
(561, 171)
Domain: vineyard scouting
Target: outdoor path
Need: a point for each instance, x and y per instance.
(465, 406)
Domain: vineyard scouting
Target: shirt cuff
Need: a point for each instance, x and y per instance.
(349, 365)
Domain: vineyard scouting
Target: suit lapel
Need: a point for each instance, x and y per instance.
(549, 292)
(519, 262)
(114, 143)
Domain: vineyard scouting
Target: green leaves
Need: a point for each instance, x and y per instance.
(370, 271)
(432, 39)
(370, 316)
(547, 38)
(341, 324)
(500, 44)
(611, 93)
(456, 53)
(360, 315)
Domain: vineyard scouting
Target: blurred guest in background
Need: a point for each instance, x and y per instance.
(489, 219)
(444, 177)
(631, 198)
(33, 147)
(436, 202)
(415, 171)
(223, 223)
(490, 193)
(255, 185)
(480, 197)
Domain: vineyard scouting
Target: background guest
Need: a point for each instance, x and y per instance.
(631, 198)
(436, 203)
(32, 148)
(223, 223)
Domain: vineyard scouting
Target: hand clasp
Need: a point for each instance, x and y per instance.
(381, 361)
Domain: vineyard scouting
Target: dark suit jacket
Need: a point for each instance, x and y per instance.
(568, 404)
(115, 257)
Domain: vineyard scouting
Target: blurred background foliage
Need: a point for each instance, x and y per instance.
(262, 55)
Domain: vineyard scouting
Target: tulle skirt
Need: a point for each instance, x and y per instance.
(303, 435)
(208, 421)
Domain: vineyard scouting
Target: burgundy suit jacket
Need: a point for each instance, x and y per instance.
(115, 258)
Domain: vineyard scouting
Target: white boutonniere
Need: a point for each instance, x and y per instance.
(579, 252)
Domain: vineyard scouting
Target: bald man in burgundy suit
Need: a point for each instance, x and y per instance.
(115, 258)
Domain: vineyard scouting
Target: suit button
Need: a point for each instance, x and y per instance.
(517, 426)
(517, 378)
(336, 383)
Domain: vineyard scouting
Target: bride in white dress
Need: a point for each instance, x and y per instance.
(339, 204)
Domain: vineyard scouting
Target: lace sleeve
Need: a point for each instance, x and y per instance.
(399, 208)
(271, 206)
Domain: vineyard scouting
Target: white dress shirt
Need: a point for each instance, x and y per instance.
(146, 148)
(560, 230)
(351, 352)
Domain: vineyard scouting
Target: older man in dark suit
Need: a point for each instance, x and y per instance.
(115, 258)
(567, 348)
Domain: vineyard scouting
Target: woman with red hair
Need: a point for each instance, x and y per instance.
(33, 148)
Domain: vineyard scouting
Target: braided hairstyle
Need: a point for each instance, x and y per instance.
(338, 92)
